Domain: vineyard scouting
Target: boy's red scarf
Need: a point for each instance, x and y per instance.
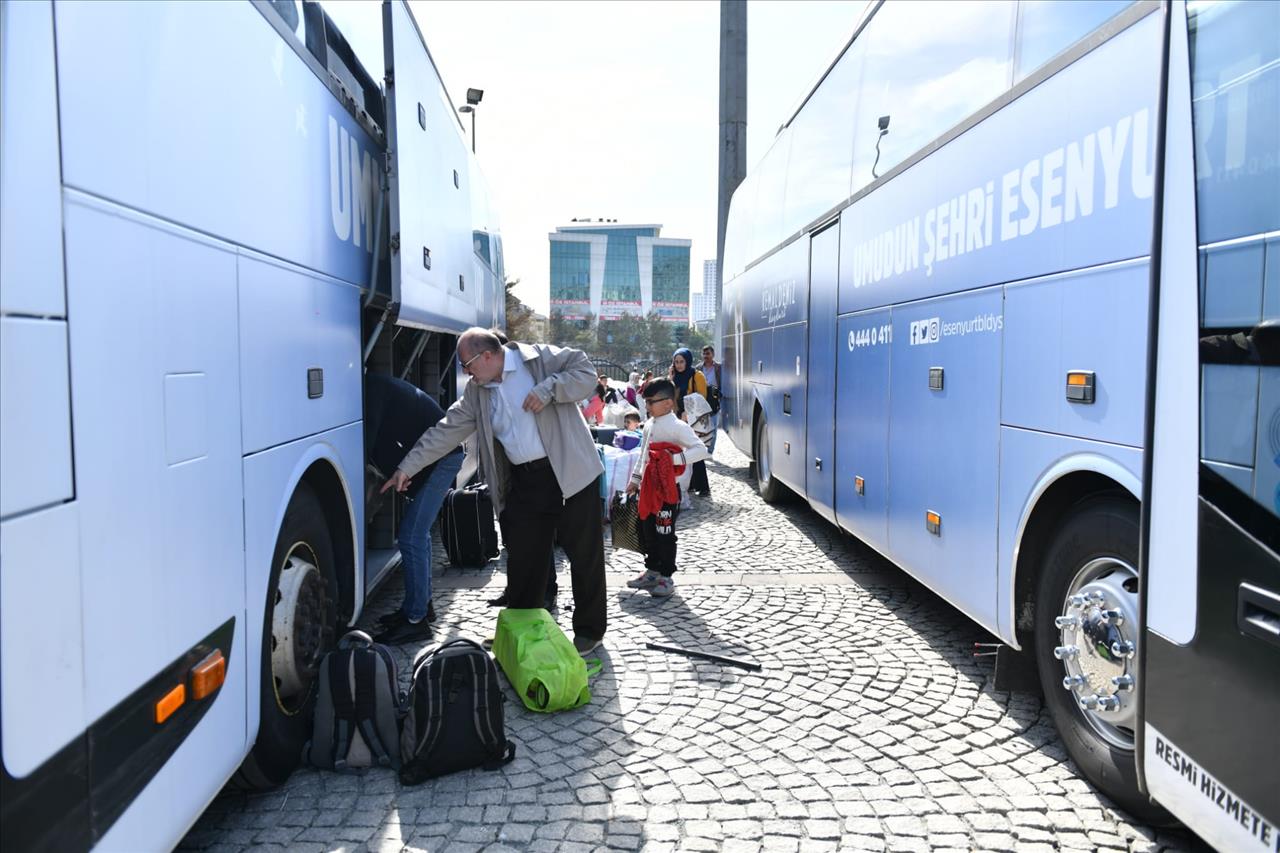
(658, 486)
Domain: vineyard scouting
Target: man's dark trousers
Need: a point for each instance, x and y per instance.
(534, 514)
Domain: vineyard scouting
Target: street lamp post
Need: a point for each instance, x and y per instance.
(473, 98)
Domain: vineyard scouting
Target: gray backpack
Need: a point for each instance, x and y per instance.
(357, 708)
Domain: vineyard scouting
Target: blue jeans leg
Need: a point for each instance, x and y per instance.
(415, 536)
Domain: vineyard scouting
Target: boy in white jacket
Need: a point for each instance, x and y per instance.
(658, 528)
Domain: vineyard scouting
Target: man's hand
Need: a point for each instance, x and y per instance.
(533, 403)
(399, 481)
(632, 488)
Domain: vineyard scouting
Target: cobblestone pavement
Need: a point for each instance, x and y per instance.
(870, 727)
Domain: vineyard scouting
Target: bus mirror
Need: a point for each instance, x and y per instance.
(1266, 340)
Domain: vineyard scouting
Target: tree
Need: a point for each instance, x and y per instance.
(520, 325)
(695, 340)
(579, 334)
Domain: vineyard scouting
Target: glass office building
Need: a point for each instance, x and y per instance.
(608, 270)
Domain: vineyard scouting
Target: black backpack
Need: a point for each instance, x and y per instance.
(357, 707)
(454, 719)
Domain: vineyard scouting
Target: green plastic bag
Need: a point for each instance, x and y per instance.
(541, 662)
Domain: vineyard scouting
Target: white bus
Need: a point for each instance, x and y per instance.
(1002, 300)
(199, 263)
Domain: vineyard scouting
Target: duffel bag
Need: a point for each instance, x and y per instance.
(541, 663)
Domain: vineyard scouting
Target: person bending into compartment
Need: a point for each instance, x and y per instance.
(668, 443)
(396, 415)
(540, 462)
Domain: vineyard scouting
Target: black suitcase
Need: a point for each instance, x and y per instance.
(466, 525)
(604, 435)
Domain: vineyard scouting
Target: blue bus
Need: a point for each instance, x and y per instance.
(217, 219)
(1001, 301)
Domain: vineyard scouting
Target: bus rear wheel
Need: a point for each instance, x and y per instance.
(770, 489)
(1086, 642)
(299, 625)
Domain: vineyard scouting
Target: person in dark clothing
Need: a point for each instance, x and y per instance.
(396, 415)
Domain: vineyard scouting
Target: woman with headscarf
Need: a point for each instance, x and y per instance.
(697, 414)
(633, 385)
(687, 378)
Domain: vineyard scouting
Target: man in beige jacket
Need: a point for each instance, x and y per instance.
(539, 460)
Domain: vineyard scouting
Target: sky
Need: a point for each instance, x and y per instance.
(611, 109)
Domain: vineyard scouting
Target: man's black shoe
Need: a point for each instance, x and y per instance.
(405, 632)
(500, 601)
(395, 617)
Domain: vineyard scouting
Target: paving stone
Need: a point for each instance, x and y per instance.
(870, 727)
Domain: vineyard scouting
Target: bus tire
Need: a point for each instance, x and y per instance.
(300, 611)
(770, 488)
(1094, 552)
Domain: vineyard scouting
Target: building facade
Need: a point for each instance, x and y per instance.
(702, 306)
(608, 270)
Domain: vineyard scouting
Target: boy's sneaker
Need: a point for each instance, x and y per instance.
(663, 588)
(647, 580)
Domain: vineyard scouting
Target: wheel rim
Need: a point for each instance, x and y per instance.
(1097, 626)
(300, 630)
(764, 469)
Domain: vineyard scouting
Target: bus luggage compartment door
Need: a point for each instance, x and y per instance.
(862, 429)
(432, 275)
(944, 444)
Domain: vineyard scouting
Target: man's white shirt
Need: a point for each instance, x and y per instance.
(512, 425)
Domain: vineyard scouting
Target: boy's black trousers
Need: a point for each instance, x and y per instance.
(658, 538)
(534, 514)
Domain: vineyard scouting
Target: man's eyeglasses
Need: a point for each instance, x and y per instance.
(466, 364)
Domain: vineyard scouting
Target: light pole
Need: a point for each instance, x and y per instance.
(473, 98)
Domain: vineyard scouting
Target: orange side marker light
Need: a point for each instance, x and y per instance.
(208, 675)
(172, 701)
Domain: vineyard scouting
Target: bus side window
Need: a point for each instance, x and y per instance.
(926, 67)
(1048, 27)
(1235, 90)
(1235, 74)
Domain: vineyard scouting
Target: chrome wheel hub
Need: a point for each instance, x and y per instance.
(1098, 631)
(298, 625)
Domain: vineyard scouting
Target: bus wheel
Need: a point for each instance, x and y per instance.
(1086, 642)
(771, 490)
(298, 629)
